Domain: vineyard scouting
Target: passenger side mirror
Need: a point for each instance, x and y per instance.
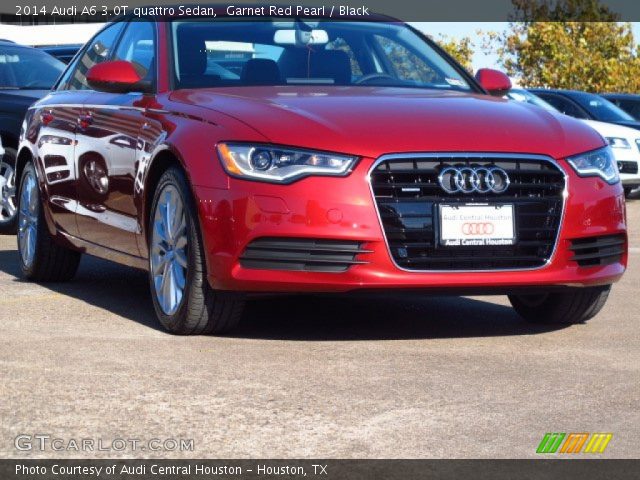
(117, 76)
(493, 81)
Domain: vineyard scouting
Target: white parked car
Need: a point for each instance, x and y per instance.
(624, 141)
(7, 190)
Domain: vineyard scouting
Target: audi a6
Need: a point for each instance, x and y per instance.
(230, 158)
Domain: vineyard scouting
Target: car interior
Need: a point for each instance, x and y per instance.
(224, 54)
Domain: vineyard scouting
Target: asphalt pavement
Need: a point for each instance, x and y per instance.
(384, 376)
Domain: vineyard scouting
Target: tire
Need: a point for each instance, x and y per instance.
(570, 307)
(629, 190)
(183, 300)
(41, 259)
(8, 201)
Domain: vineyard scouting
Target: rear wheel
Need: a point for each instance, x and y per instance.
(182, 298)
(8, 201)
(41, 259)
(568, 307)
(628, 190)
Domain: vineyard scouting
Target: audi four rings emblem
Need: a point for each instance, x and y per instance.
(478, 228)
(474, 180)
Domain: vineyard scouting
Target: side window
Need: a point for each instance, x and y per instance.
(631, 107)
(138, 46)
(405, 64)
(341, 44)
(565, 106)
(75, 78)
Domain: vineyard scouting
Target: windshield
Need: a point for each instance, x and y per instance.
(602, 109)
(27, 68)
(231, 53)
(524, 96)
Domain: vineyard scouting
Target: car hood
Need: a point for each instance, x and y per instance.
(19, 100)
(628, 123)
(371, 121)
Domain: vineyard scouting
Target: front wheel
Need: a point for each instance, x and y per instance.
(628, 190)
(182, 298)
(568, 307)
(41, 259)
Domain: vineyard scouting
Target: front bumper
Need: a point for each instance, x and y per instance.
(343, 209)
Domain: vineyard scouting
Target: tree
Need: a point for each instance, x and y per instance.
(578, 47)
(461, 50)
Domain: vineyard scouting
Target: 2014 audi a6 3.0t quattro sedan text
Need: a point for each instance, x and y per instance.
(235, 157)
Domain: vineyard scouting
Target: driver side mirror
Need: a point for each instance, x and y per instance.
(493, 81)
(117, 76)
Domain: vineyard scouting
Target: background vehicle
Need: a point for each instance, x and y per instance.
(26, 74)
(7, 188)
(586, 106)
(343, 156)
(624, 141)
(64, 53)
(628, 102)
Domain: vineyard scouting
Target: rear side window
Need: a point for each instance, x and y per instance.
(564, 105)
(75, 78)
(632, 107)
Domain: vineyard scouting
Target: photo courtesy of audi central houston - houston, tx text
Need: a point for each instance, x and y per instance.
(350, 232)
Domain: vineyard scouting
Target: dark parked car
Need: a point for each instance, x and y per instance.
(64, 53)
(26, 75)
(626, 101)
(588, 106)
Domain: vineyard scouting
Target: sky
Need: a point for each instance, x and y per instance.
(468, 29)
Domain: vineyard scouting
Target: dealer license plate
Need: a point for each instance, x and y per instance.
(476, 225)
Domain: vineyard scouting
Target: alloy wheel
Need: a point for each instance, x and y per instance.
(168, 255)
(28, 219)
(7, 193)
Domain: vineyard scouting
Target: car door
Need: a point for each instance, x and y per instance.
(56, 120)
(107, 151)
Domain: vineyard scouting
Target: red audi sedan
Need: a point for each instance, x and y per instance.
(283, 155)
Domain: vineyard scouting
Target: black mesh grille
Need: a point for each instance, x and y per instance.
(625, 166)
(302, 254)
(598, 251)
(408, 195)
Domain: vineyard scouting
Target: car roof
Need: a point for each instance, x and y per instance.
(560, 91)
(628, 96)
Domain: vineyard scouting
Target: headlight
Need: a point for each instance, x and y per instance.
(598, 163)
(618, 142)
(271, 163)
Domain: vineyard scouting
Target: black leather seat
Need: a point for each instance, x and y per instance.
(192, 61)
(321, 64)
(260, 71)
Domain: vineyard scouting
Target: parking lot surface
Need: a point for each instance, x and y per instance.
(382, 376)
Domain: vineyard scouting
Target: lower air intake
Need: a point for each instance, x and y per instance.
(598, 251)
(302, 254)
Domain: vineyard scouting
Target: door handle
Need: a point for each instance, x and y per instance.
(85, 120)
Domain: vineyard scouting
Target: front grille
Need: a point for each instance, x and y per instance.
(302, 254)
(625, 166)
(408, 195)
(598, 251)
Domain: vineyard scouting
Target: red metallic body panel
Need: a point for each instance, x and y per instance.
(343, 209)
(364, 121)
